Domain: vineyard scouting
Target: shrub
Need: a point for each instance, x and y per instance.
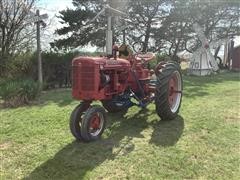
(56, 67)
(16, 66)
(158, 58)
(17, 92)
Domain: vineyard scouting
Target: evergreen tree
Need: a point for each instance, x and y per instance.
(75, 31)
(159, 25)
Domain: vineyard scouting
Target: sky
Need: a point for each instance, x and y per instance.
(55, 4)
(52, 7)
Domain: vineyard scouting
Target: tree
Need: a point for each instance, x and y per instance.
(142, 13)
(145, 14)
(159, 25)
(16, 35)
(75, 32)
(219, 20)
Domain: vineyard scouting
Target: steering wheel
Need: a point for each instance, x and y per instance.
(144, 57)
(137, 46)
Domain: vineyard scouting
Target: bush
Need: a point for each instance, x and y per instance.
(17, 66)
(158, 58)
(56, 67)
(17, 92)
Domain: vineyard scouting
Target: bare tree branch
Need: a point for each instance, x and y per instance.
(13, 26)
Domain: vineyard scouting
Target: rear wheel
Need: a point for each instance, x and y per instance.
(93, 123)
(168, 91)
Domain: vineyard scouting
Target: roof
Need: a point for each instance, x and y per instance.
(238, 46)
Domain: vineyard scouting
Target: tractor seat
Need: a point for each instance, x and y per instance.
(125, 51)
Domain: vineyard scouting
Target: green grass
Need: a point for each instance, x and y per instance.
(202, 143)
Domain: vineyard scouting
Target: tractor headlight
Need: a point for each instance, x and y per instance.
(101, 67)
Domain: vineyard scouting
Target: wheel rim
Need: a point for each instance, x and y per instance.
(96, 124)
(175, 91)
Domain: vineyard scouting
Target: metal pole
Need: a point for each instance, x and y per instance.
(109, 36)
(124, 36)
(40, 76)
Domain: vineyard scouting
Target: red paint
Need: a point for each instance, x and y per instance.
(86, 77)
(172, 89)
(95, 122)
(236, 59)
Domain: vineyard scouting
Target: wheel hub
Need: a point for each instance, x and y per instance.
(95, 122)
(174, 91)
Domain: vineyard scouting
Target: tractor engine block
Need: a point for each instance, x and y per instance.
(98, 78)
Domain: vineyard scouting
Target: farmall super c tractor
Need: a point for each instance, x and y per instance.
(115, 82)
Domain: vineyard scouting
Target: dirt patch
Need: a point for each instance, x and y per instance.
(232, 119)
(5, 145)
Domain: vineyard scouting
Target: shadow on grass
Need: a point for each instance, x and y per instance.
(197, 86)
(76, 159)
(62, 97)
(167, 133)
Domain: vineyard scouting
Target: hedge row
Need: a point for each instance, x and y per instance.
(16, 92)
(56, 67)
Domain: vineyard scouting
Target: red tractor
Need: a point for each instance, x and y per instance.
(116, 82)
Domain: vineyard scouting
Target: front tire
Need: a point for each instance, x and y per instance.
(93, 123)
(76, 120)
(168, 91)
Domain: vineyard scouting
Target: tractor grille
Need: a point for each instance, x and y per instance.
(87, 74)
(75, 77)
(83, 77)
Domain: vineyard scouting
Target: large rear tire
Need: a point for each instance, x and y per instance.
(168, 91)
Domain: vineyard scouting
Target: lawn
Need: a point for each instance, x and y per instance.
(201, 143)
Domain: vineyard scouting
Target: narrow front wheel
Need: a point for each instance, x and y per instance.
(93, 123)
(75, 122)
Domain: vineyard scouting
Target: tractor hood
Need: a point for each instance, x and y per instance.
(104, 62)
